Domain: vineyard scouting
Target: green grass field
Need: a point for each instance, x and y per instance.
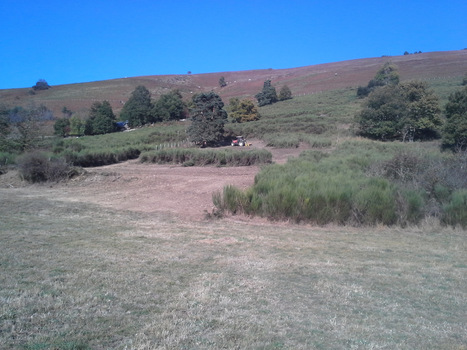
(77, 276)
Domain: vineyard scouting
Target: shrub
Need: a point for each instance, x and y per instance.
(410, 207)
(190, 157)
(6, 158)
(455, 212)
(282, 140)
(268, 95)
(88, 158)
(37, 167)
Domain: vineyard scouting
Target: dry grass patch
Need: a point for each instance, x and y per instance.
(76, 275)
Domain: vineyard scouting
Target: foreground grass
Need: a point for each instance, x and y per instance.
(77, 276)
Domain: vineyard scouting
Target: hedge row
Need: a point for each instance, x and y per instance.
(201, 157)
(86, 158)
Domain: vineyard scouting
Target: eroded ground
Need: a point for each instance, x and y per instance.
(173, 189)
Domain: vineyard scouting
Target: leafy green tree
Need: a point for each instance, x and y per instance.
(101, 119)
(76, 126)
(62, 127)
(407, 112)
(169, 107)
(137, 110)
(455, 129)
(243, 111)
(285, 93)
(222, 82)
(207, 119)
(234, 102)
(381, 113)
(268, 95)
(423, 120)
(388, 74)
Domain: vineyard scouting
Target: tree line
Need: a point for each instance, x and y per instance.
(410, 111)
(205, 110)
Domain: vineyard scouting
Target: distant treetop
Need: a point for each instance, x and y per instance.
(41, 85)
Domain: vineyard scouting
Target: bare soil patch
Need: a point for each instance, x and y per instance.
(185, 192)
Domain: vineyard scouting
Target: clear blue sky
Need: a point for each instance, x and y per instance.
(66, 42)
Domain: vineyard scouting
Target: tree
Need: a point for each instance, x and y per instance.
(243, 111)
(407, 112)
(41, 85)
(101, 119)
(137, 110)
(285, 93)
(423, 120)
(27, 124)
(4, 128)
(4, 120)
(76, 126)
(268, 95)
(455, 129)
(169, 107)
(207, 119)
(222, 82)
(62, 127)
(388, 74)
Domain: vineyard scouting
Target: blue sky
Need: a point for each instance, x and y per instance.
(67, 42)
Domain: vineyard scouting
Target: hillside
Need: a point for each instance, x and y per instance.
(341, 243)
(302, 81)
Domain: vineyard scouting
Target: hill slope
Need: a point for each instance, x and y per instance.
(302, 80)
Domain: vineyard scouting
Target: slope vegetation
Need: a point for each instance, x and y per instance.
(301, 81)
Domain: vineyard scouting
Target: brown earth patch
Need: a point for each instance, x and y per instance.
(185, 192)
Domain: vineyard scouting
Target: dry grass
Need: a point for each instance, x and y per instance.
(78, 276)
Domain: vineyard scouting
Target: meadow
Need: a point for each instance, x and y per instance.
(77, 275)
(80, 276)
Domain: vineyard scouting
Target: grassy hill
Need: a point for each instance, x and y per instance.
(377, 262)
(307, 80)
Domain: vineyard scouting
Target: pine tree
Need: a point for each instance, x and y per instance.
(268, 95)
(101, 119)
(207, 119)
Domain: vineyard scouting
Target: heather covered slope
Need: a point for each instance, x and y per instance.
(302, 80)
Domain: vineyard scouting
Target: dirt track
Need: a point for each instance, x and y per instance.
(185, 192)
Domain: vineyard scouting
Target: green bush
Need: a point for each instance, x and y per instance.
(410, 207)
(37, 167)
(87, 158)
(375, 204)
(7, 158)
(282, 140)
(343, 187)
(202, 157)
(455, 212)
